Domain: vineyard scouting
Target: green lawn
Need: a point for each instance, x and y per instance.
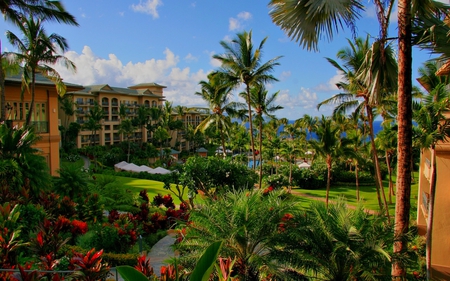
(152, 187)
(368, 195)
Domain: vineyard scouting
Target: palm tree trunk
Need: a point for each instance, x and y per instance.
(224, 153)
(328, 178)
(357, 181)
(2, 88)
(388, 164)
(30, 111)
(260, 154)
(250, 122)
(429, 235)
(404, 121)
(379, 182)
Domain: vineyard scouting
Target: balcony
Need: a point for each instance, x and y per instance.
(40, 126)
(115, 104)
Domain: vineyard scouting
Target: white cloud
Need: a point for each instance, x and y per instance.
(285, 75)
(181, 83)
(147, 7)
(305, 98)
(190, 58)
(331, 84)
(238, 22)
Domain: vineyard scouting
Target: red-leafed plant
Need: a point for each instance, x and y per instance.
(89, 267)
(49, 238)
(9, 234)
(168, 273)
(79, 227)
(25, 275)
(144, 266)
(165, 200)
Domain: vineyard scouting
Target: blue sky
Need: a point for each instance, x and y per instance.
(122, 43)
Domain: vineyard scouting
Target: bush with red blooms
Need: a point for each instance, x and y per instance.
(268, 190)
(284, 221)
(89, 267)
(79, 227)
(165, 200)
(143, 266)
(49, 238)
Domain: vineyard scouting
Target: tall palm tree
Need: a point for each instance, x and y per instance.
(242, 64)
(329, 145)
(126, 128)
(37, 52)
(216, 93)
(359, 93)
(306, 21)
(141, 119)
(387, 141)
(14, 10)
(356, 143)
(263, 104)
(93, 124)
(434, 127)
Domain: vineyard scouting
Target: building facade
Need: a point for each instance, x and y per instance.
(440, 255)
(45, 114)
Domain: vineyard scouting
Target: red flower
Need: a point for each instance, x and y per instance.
(79, 227)
(40, 239)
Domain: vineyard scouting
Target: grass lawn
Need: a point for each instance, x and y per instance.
(368, 194)
(152, 187)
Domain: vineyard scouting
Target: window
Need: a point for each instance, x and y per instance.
(17, 111)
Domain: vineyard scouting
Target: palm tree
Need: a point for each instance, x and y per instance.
(307, 21)
(37, 51)
(18, 153)
(93, 124)
(241, 63)
(68, 107)
(161, 135)
(126, 128)
(338, 243)
(357, 87)
(356, 143)
(216, 93)
(141, 119)
(14, 10)
(329, 145)
(249, 225)
(387, 141)
(263, 104)
(434, 127)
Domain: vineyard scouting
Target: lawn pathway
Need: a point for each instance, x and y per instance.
(301, 194)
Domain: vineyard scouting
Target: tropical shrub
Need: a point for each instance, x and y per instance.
(248, 223)
(277, 181)
(313, 178)
(214, 175)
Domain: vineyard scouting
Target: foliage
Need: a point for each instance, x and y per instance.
(116, 259)
(313, 178)
(89, 267)
(112, 194)
(337, 243)
(249, 225)
(277, 181)
(10, 240)
(214, 176)
(71, 182)
(91, 210)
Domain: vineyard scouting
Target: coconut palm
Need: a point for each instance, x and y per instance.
(249, 225)
(95, 115)
(387, 141)
(329, 145)
(306, 21)
(216, 93)
(127, 128)
(14, 10)
(433, 127)
(357, 144)
(20, 157)
(263, 104)
(37, 52)
(242, 64)
(338, 243)
(359, 93)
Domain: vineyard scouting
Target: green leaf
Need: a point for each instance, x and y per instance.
(206, 263)
(129, 273)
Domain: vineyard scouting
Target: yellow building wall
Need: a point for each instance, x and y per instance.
(440, 244)
(49, 142)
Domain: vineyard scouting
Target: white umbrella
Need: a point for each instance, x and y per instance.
(304, 165)
(160, 170)
(121, 164)
(131, 168)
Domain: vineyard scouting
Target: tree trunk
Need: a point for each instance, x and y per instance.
(388, 164)
(357, 182)
(30, 111)
(431, 210)
(224, 152)
(379, 182)
(404, 121)
(328, 178)
(250, 122)
(260, 154)
(2, 88)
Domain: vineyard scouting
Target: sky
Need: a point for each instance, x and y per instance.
(169, 42)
